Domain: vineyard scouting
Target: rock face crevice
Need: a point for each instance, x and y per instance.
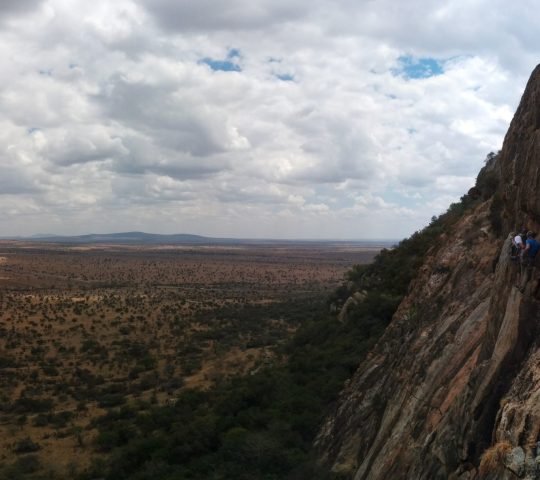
(458, 369)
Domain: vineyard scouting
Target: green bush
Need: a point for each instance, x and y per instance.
(258, 426)
(32, 405)
(26, 445)
(40, 420)
(7, 362)
(111, 400)
(487, 183)
(50, 370)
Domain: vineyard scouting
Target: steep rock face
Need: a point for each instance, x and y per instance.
(457, 372)
(520, 159)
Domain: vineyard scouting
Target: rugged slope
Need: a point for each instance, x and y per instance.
(455, 380)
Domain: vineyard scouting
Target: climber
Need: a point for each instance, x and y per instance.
(527, 258)
(531, 248)
(518, 244)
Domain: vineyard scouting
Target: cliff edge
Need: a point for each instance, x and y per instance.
(452, 389)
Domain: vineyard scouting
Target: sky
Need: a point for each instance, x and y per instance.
(332, 119)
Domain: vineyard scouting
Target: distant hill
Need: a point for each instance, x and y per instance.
(142, 238)
(127, 237)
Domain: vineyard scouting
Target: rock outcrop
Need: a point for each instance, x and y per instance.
(452, 389)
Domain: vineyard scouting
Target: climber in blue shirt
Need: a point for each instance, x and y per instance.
(527, 260)
(531, 246)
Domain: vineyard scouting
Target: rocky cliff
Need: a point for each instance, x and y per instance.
(452, 389)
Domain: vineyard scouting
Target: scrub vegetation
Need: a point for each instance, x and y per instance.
(88, 330)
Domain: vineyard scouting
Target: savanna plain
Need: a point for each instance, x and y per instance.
(85, 329)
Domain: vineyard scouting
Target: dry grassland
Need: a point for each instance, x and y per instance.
(84, 329)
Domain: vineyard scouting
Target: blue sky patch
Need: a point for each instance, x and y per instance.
(31, 130)
(286, 77)
(390, 195)
(223, 65)
(227, 65)
(414, 68)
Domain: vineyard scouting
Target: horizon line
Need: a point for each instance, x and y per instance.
(43, 236)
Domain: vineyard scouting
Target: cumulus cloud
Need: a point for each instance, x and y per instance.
(203, 15)
(14, 180)
(258, 118)
(9, 7)
(80, 144)
(169, 115)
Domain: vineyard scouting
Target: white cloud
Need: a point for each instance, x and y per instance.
(13, 7)
(112, 120)
(203, 14)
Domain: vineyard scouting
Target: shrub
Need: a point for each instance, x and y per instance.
(21, 419)
(487, 183)
(26, 445)
(96, 469)
(492, 460)
(35, 405)
(111, 400)
(50, 370)
(6, 362)
(61, 419)
(27, 464)
(40, 420)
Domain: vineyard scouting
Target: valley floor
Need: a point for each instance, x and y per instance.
(84, 329)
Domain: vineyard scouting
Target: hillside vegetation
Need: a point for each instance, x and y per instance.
(87, 330)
